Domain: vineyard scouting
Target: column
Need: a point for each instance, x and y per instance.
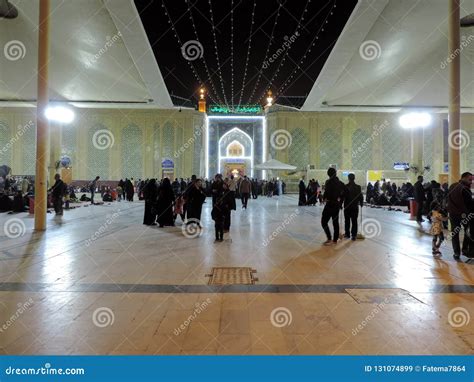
(454, 91)
(42, 127)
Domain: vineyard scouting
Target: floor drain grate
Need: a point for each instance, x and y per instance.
(231, 276)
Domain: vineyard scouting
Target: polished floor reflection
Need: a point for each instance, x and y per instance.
(99, 282)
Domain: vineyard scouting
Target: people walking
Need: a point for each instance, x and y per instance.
(245, 189)
(57, 192)
(353, 198)
(459, 207)
(334, 197)
(437, 216)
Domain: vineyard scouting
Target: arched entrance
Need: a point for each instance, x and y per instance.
(235, 153)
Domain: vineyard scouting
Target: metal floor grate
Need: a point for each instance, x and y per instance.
(232, 276)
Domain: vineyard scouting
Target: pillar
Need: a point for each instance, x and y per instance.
(454, 91)
(42, 127)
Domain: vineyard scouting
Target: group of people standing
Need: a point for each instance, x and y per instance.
(163, 204)
(335, 196)
(454, 204)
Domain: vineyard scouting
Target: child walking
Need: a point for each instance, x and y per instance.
(438, 216)
(218, 215)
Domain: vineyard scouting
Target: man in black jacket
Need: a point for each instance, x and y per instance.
(459, 207)
(419, 199)
(57, 193)
(352, 199)
(334, 197)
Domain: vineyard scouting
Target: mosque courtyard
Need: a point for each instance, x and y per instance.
(100, 282)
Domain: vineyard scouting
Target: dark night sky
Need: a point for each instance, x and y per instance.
(159, 17)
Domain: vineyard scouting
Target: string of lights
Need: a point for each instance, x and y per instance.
(232, 53)
(287, 44)
(173, 28)
(252, 22)
(213, 26)
(206, 67)
(308, 50)
(266, 53)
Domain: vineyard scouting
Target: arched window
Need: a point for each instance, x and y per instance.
(235, 149)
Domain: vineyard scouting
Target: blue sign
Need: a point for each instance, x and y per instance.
(401, 165)
(237, 368)
(167, 163)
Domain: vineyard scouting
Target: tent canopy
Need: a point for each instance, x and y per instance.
(274, 164)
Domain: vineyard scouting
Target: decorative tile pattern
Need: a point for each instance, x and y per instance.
(330, 149)
(168, 141)
(28, 150)
(392, 147)
(361, 159)
(97, 159)
(428, 147)
(298, 151)
(68, 142)
(132, 152)
(156, 139)
(198, 137)
(5, 156)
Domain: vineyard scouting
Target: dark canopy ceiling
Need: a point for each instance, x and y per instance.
(238, 50)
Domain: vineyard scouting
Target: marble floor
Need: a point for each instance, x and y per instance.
(99, 282)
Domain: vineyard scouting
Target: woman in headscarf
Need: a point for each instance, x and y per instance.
(302, 189)
(196, 197)
(164, 208)
(150, 192)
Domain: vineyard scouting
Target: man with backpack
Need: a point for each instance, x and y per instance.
(334, 197)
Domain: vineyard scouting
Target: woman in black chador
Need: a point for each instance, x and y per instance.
(150, 193)
(165, 202)
(196, 198)
(302, 190)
